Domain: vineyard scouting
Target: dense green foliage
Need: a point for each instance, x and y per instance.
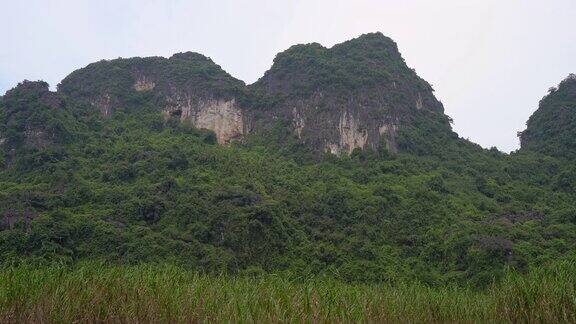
(166, 294)
(115, 208)
(109, 169)
(113, 82)
(363, 63)
(552, 128)
(136, 188)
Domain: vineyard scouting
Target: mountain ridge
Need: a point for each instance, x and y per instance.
(354, 95)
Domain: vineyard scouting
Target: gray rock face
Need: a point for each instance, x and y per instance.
(224, 117)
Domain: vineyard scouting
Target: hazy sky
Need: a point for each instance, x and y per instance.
(490, 61)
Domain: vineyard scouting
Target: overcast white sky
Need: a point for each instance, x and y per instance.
(490, 61)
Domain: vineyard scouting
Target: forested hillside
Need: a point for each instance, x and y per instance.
(153, 160)
(552, 128)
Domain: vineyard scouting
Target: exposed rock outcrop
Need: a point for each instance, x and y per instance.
(143, 83)
(223, 117)
(105, 104)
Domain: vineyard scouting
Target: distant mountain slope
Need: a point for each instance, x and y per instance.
(552, 128)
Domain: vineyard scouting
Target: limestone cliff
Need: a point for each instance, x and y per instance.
(356, 95)
(188, 86)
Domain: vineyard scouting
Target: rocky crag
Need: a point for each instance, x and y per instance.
(552, 127)
(355, 95)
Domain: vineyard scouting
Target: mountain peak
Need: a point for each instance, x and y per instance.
(34, 90)
(190, 56)
(354, 95)
(357, 94)
(568, 84)
(552, 127)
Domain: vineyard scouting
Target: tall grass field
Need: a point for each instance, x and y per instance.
(157, 294)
